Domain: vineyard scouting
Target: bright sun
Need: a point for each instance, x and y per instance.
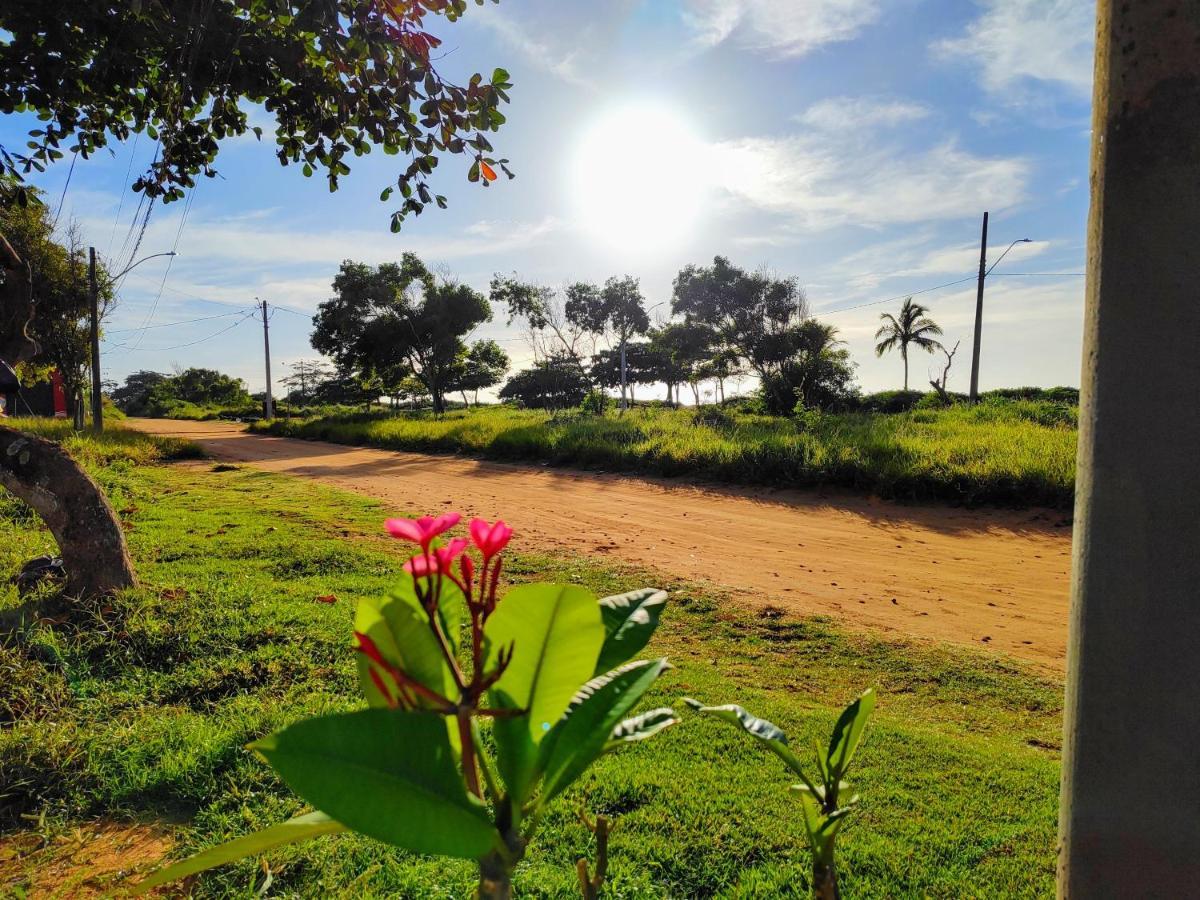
(639, 178)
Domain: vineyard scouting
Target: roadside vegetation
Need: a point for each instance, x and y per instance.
(138, 709)
(1003, 451)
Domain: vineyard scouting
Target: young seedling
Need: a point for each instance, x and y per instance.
(823, 802)
(545, 668)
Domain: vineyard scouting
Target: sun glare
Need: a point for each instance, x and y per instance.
(639, 178)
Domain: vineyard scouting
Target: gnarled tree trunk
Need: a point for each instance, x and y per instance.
(42, 474)
(73, 507)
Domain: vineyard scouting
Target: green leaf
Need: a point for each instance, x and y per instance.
(301, 828)
(847, 734)
(399, 628)
(556, 633)
(766, 733)
(388, 774)
(580, 736)
(638, 728)
(629, 621)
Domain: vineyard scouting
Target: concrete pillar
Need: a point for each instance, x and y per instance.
(1130, 814)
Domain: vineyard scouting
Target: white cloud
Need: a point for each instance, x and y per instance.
(820, 181)
(782, 27)
(845, 113)
(1018, 42)
(543, 54)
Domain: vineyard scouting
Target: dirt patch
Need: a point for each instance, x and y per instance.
(93, 860)
(996, 580)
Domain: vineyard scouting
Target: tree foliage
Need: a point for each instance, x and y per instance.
(554, 383)
(59, 270)
(399, 319)
(484, 366)
(338, 76)
(764, 322)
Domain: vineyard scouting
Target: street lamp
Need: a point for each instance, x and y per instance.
(94, 291)
(984, 271)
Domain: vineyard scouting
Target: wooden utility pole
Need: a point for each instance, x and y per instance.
(979, 312)
(94, 297)
(1129, 822)
(268, 402)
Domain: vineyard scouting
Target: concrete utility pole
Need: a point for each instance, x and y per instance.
(94, 297)
(979, 312)
(1129, 822)
(268, 403)
(97, 403)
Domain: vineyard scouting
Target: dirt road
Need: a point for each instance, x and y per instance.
(993, 579)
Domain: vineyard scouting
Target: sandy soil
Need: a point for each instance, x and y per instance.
(993, 579)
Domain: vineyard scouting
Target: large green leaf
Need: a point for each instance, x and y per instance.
(629, 621)
(389, 774)
(847, 734)
(766, 733)
(399, 627)
(516, 753)
(555, 632)
(638, 728)
(301, 828)
(581, 735)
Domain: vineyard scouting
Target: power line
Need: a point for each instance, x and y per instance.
(216, 334)
(172, 324)
(937, 287)
(1043, 274)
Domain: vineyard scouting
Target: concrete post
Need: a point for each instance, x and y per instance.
(1130, 812)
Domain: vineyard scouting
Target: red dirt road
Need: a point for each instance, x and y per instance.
(993, 579)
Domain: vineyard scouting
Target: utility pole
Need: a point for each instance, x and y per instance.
(94, 297)
(268, 403)
(979, 312)
(1128, 824)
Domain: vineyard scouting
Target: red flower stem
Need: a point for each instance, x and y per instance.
(468, 752)
(367, 647)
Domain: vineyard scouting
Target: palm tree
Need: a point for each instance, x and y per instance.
(913, 326)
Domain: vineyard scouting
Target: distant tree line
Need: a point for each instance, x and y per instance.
(729, 323)
(147, 393)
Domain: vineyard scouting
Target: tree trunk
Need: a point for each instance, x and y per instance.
(495, 881)
(904, 356)
(466, 405)
(825, 886)
(77, 513)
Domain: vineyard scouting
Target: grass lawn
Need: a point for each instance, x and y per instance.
(1017, 453)
(139, 709)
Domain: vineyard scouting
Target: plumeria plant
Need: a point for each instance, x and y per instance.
(481, 709)
(824, 803)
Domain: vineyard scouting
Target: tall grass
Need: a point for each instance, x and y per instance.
(1019, 453)
(115, 444)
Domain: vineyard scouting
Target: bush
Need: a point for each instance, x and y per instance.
(595, 402)
(889, 401)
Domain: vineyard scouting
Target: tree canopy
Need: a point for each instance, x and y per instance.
(554, 383)
(338, 76)
(399, 319)
(912, 326)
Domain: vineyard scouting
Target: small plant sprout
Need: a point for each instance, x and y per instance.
(481, 710)
(823, 801)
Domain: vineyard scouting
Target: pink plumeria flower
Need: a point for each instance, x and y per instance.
(490, 539)
(439, 560)
(423, 530)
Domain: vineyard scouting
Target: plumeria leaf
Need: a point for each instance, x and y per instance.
(555, 634)
(516, 753)
(399, 628)
(301, 828)
(629, 621)
(847, 734)
(638, 728)
(580, 736)
(388, 774)
(766, 733)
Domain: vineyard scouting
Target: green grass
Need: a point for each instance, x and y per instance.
(140, 708)
(1016, 453)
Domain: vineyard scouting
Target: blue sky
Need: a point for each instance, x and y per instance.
(853, 144)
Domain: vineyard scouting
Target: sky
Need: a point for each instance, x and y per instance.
(851, 144)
